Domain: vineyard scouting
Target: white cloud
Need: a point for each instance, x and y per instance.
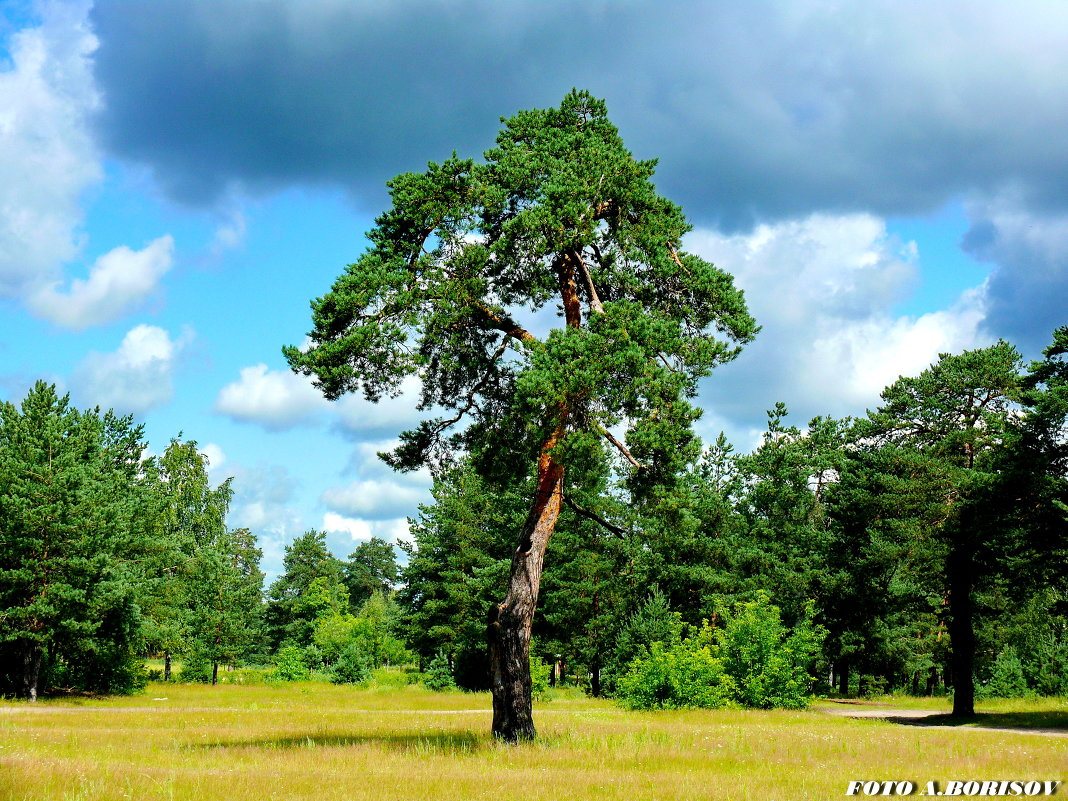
(824, 289)
(359, 530)
(135, 378)
(376, 500)
(281, 399)
(274, 399)
(118, 281)
(358, 415)
(339, 524)
(49, 158)
(214, 454)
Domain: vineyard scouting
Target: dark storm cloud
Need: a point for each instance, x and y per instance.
(1027, 292)
(756, 110)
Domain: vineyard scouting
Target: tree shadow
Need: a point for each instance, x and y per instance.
(1049, 721)
(461, 742)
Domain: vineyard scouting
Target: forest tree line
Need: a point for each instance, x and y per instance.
(927, 541)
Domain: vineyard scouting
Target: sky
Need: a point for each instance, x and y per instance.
(886, 180)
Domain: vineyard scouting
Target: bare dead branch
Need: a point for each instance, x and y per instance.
(589, 514)
(620, 447)
(591, 290)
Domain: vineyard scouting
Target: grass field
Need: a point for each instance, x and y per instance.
(317, 741)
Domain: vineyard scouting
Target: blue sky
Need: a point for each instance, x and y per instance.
(886, 180)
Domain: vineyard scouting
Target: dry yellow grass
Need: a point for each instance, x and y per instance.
(316, 741)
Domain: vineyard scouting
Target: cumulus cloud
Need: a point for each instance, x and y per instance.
(274, 399)
(48, 98)
(356, 415)
(215, 456)
(49, 156)
(281, 399)
(339, 528)
(135, 378)
(760, 110)
(824, 289)
(376, 499)
(117, 282)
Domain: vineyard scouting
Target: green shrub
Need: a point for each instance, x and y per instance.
(678, 676)
(289, 665)
(753, 661)
(1048, 674)
(354, 665)
(768, 664)
(438, 675)
(1006, 679)
(539, 679)
(196, 667)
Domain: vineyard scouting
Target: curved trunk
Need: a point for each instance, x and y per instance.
(508, 630)
(510, 620)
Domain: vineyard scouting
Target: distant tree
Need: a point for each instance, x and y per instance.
(559, 213)
(225, 591)
(289, 618)
(71, 502)
(371, 567)
(941, 434)
(458, 558)
(190, 517)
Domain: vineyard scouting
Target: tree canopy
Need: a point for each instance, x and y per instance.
(559, 212)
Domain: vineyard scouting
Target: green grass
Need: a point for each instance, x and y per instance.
(317, 741)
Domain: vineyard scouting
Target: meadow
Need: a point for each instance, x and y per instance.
(319, 741)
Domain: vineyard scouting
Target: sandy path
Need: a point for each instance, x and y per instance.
(915, 717)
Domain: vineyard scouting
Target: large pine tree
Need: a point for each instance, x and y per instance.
(559, 214)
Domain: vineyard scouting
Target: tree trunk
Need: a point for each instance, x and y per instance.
(166, 665)
(843, 678)
(32, 653)
(214, 673)
(510, 620)
(961, 630)
(595, 681)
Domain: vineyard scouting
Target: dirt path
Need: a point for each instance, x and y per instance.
(915, 717)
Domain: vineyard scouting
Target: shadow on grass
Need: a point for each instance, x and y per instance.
(463, 742)
(1037, 721)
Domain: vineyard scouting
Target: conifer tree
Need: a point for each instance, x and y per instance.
(559, 214)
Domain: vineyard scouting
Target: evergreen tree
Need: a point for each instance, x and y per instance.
(940, 434)
(371, 567)
(71, 496)
(558, 212)
(289, 620)
(458, 559)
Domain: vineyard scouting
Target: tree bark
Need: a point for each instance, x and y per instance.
(510, 620)
(961, 630)
(32, 653)
(843, 678)
(214, 673)
(166, 665)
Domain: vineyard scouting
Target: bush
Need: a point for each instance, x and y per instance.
(196, 667)
(677, 676)
(438, 675)
(354, 665)
(753, 661)
(289, 665)
(1006, 679)
(769, 665)
(539, 679)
